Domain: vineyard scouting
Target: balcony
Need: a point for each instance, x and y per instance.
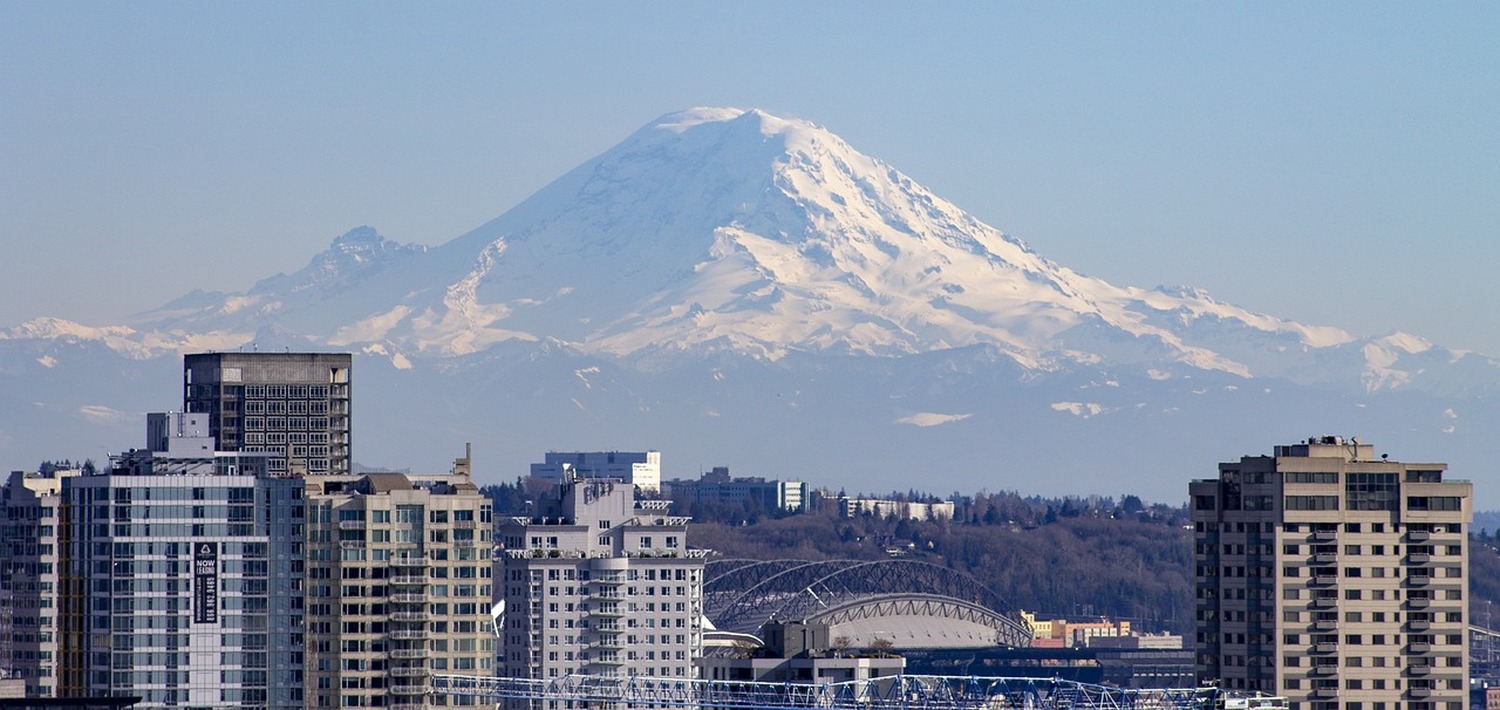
(1325, 626)
(409, 598)
(408, 690)
(1323, 648)
(1325, 558)
(351, 525)
(1325, 603)
(409, 653)
(610, 641)
(1324, 670)
(1418, 603)
(609, 610)
(1419, 670)
(409, 616)
(1324, 580)
(1419, 647)
(1324, 536)
(1418, 692)
(1418, 558)
(408, 671)
(409, 635)
(1419, 580)
(407, 561)
(1418, 536)
(1418, 625)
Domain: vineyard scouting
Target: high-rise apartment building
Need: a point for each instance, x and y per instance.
(293, 406)
(641, 469)
(599, 583)
(399, 588)
(1333, 577)
(30, 522)
(182, 576)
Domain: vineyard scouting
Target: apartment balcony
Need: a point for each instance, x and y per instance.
(408, 561)
(351, 525)
(1418, 536)
(1418, 648)
(464, 524)
(1325, 625)
(1324, 580)
(1418, 558)
(1419, 603)
(351, 544)
(1325, 603)
(1419, 580)
(409, 635)
(1419, 670)
(614, 594)
(609, 610)
(1325, 536)
(607, 661)
(1324, 670)
(1321, 648)
(1325, 558)
(409, 671)
(1417, 693)
(409, 598)
(1325, 693)
(1418, 625)
(409, 616)
(407, 706)
(611, 641)
(408, 690)
(409, 580)
(609, 580)
(409, 653)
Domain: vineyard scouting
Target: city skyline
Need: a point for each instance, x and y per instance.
(1278, 156)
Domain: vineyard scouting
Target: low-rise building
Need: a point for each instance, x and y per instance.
(641, 469)
(899, 509)
(719, 488)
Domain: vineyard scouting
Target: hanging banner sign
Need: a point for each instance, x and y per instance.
(205, 582)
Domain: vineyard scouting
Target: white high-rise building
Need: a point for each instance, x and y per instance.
(599, 583)
(182, 576)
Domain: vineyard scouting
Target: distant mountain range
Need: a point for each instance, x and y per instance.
(735, 288)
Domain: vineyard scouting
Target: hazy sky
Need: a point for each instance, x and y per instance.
(1335, 163)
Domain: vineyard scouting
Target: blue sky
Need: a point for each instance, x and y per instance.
(1335, 163)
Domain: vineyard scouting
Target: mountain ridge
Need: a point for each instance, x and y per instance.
(717, 255)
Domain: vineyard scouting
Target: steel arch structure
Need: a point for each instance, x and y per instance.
(904, 692)
(742, 594)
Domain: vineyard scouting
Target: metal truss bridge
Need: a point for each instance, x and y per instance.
(904, 692)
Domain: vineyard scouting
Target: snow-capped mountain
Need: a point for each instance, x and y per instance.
(717, 241)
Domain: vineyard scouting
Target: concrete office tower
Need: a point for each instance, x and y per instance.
(639, 468)
(294, 406)
(30, 522)
(399, 588)
(182, 575)
(601, 584)
(1334, 577)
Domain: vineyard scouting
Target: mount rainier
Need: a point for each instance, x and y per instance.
(735, 288)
